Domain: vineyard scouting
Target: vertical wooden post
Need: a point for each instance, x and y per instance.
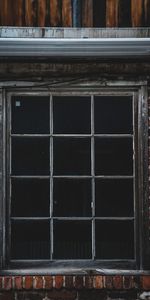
(18, 11)
(66, 13)
(112, 13)
(87, 13)
(76, 13)
(6, 14)
(55, 13)
(147, 13)
(41, 12)
(31, 13)
(137, 13)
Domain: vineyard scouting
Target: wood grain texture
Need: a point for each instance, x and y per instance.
(31, 12)
(55, 13)
(6, 13)
(112, 13)
(18, 13)
(147, 13)
(42, 11)
(87, 13)
(137, 13)
(67, 13)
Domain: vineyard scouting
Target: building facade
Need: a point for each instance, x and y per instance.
(74, 126)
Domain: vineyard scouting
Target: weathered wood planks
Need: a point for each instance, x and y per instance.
(75, 13)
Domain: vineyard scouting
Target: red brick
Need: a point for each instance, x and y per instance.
(98, 282)
(78, 283)
(18, 283)
(69, 282)
(118, 282)
(89, 282)
(109, 282)
(7, 283)
(136, 282)
(1, 282)
(58, 281)
(48, 282)
(145, 282)
(127, 282)
(38, 282)
(28, 282)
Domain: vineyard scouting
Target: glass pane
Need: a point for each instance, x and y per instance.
(114, 198)
(30, 198)
(30, 240)
(72, 156)
(114, 239)
(72, 114)
(72, 239)
(113, 114)
(72, 197)
(30, 114)
(30, 156)
(113, 156)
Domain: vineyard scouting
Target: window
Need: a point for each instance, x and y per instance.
(72, 178)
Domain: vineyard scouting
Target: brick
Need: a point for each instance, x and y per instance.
(109, 282)
(127, 282)
(38, 282)
(1, 282)
(7, 283)
(118, 282)
(78, 283)
(145, 282)
(136, 282)
(48, 282)
(98, 282)
(58, 281)
(18, 283)
(89, 282)
(28, 282)
(69, 282)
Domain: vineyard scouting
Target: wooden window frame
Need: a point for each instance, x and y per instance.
(139, 92)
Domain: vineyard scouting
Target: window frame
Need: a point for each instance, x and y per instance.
(141, 262)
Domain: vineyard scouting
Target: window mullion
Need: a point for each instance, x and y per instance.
(51, 177)
(93, 176)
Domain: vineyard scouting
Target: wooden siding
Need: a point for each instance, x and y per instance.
(75, 13)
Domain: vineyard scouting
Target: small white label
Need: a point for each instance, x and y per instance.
(18, 104)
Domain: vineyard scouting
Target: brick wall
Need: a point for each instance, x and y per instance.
(74, 287)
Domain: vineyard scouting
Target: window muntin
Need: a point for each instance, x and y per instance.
(84, 158)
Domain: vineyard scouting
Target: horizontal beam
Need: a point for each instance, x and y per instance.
(75, 48)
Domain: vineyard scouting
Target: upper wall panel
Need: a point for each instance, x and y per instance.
(75, 13)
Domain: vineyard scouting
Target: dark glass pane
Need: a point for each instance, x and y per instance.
(72, 197)
(72, 239)
(114, 198)
(114, 239)
(72, 114)
(113, 156)
(113, 114)
(30, 198)
(72, 156)
(30, 114)
(30, 240)
(30, 156)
